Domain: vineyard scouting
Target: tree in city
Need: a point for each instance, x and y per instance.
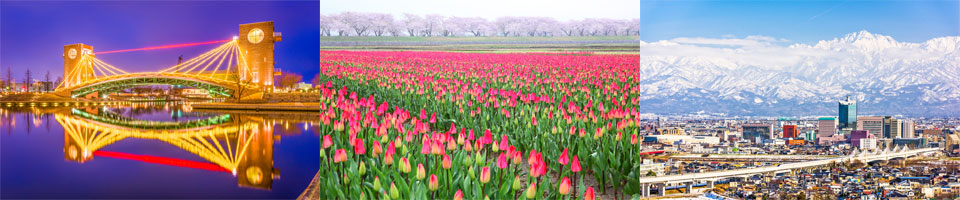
(9, 80)
(27, 79)
(651, 173)
(289, 79)
(316, 80)
(58, 81)
(240, 81)
(46, 82)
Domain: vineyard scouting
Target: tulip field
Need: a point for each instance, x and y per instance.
(446, 125)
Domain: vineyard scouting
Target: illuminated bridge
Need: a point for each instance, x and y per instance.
(242, 147)
(114, 119)
(242, 67)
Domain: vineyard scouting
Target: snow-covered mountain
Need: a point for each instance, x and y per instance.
(757, 75)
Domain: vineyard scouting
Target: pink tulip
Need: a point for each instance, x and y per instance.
(485, 175)
(339, 156)
(502, 161)
(327, 141)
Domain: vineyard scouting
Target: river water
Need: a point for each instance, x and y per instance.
(155, 150)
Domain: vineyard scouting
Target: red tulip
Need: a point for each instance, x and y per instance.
(588, 195)
(359, 148)
(565, 186)
(633, 139)
(487, 137)
(391, 148)
(575, 165)
(327, 141)
(339, 156)
(421, 172)
(564, 158)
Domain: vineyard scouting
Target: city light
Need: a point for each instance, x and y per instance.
(164, 46)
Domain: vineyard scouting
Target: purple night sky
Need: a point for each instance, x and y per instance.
(32, 34)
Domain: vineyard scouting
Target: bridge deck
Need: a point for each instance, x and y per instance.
(782, 167)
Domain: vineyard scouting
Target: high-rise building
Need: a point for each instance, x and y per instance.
(907, 131)
(892, 127)
(789, 131)
(848, 113)
(874, 124)
(826, 126)
(753, 131)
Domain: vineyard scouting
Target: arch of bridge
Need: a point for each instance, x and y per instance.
(111, 84)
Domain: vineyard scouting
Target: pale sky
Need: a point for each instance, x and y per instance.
(491, 9)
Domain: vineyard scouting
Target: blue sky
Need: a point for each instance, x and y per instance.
(32, 34)
(799, 21)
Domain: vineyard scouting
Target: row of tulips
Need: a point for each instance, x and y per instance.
(485, 128)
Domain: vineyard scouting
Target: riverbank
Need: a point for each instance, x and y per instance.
(312, 107)
(313, 190)
(60, 103)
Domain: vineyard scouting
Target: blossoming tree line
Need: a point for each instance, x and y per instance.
(411, 25)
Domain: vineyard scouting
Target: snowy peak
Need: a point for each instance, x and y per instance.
(862, 40)
(943, 44)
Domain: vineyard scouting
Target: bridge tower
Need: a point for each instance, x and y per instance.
(256, 169)
(71, 59)
(256, 41)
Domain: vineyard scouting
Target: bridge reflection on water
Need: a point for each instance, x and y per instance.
(240, 144)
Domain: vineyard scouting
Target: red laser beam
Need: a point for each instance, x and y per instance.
(162, 160)
(164, 47)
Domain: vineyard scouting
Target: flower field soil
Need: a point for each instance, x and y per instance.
(442, 125)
